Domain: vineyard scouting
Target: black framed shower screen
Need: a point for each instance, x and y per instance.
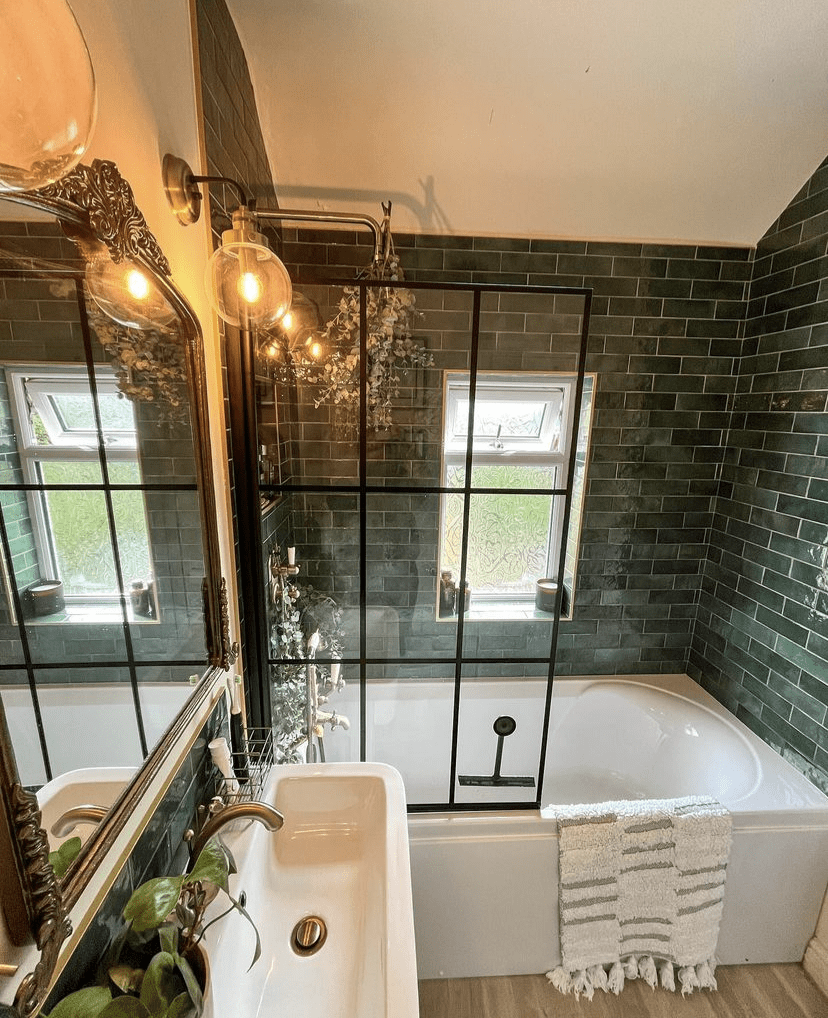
(473, 326)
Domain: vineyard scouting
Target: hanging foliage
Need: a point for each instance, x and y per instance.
(329, 360)
(390, 350)
(150, 364)
(299, 610)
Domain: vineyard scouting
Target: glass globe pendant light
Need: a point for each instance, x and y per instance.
(246, 283)
(127, 293)
(47, 93)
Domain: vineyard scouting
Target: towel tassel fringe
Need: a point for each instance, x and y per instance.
(654, 972)
(615, 979)
(647, 971)
(666, 977)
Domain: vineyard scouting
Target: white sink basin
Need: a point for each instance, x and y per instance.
(95, 786)
(342, 856)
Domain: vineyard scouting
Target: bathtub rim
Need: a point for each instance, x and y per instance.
(755, 812)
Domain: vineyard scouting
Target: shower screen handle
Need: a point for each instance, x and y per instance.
(502, 727)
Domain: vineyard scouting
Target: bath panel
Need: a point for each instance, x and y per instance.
(485, 884)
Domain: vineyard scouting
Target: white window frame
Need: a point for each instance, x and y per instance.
(557, 390)
(29, 386)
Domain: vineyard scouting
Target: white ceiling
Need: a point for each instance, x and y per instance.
(693, 120)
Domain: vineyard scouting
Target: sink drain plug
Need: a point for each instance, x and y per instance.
(309, 934)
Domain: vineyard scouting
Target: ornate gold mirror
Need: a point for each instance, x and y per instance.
(111, 597)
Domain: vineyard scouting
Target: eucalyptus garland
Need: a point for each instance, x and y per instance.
(390, 349)
(150, 365)
(299, 610)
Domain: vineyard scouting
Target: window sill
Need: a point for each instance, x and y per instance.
(502, 611)
(108, 614)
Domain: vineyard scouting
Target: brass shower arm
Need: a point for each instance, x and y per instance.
(314, 216)
(184, 196)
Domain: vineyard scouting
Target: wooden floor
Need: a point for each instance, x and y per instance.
(745, 991)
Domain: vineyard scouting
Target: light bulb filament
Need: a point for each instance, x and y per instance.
(137, 284)
(250, 287)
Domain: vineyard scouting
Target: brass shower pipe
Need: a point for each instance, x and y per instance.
(184, 197)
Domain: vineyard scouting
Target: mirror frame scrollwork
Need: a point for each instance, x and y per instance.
(95, 205)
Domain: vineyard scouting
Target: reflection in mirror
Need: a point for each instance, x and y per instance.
(101, 565)
(111, 596)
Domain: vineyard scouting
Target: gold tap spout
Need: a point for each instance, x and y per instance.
(266, 815)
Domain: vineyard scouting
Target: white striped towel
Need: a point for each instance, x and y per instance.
(641, 891)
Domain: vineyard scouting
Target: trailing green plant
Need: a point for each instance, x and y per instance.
(390, 348)
(329, 360)
(150, 364)
(63, 857)
(149, 973)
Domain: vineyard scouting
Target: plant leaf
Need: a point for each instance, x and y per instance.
(231, 862)
(86, 1003)
(211, 865)
(168, 936)
(152, 902)
(190, 981)
(237, 905)
(126, 978)
(63, 857)
(161, 984)
(181, 1007)
(124, 1007)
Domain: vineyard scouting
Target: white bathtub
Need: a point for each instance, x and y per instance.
(485, 884)
(87, 724)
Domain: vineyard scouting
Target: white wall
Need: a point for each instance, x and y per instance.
(543, 118)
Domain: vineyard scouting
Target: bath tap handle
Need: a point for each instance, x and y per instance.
(217, 804)
(333, 719)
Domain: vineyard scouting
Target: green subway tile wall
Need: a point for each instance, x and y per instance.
(234, 148)
(665, 338)
(704, 545)
(761, 637)
(40, 319)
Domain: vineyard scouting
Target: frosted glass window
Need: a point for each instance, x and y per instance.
(520, 444)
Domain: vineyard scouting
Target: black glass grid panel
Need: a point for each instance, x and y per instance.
(376, 495)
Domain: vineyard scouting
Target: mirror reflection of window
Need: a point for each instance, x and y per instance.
(56, 424)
